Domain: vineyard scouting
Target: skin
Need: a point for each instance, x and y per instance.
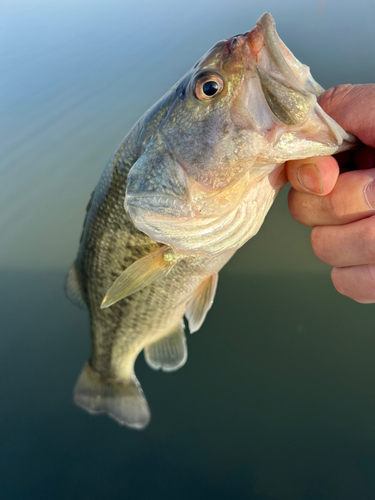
(336, 195)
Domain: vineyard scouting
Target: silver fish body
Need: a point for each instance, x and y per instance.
(110, 243)
(189, 185)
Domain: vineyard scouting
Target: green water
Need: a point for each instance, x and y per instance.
(277, 399)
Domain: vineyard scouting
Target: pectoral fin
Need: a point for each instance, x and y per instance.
(201, 302)
(168, 353)
(143, 272)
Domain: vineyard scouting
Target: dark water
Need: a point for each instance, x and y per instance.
(277, 399)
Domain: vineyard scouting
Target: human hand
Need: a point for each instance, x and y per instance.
(338, 203)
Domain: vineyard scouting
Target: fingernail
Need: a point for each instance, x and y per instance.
(309, 177)
(370, 194)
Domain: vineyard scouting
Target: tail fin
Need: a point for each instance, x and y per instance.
(123, 401)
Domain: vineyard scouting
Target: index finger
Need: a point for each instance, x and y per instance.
(353, 107)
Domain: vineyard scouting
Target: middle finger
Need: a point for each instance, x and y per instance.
(348, 245)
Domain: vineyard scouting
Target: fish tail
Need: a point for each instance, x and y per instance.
(122, 400)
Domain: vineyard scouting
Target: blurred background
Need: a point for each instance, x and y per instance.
(277, 399)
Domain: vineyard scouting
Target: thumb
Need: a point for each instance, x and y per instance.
(353, 107)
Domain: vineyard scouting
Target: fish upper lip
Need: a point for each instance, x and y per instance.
(268, 25)
(265, 35)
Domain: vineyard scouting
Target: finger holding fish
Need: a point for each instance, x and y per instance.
(343, 235)
(337, 102)
(352, 199)
(315, 176)
(346, 245)
(355, 282)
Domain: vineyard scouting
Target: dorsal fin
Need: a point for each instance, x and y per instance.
(73, 288)
(143, 272)
(168, 353)
(201, 302)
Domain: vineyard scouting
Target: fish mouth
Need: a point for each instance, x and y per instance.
(287, 85)
(294, 117)
(283, 60)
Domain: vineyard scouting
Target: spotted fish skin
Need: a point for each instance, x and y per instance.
(110, 243)
(196, 175)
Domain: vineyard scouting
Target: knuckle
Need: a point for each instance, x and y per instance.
(341, 279)
(337, 204)
(317, 242)
(338, 283)
(293, 205)
(299, 207)
(367, 237)
(356, 283)
(370, 284)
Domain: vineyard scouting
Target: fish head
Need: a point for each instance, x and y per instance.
(210, 172)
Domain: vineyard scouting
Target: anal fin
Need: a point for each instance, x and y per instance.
(169, 353)
(121, 400)
(201, 302)
(73, 288)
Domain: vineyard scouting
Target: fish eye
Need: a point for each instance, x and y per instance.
(208, 86)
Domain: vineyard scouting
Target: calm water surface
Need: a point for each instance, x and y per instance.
(277, 400)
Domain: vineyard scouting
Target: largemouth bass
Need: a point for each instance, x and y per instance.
(190, 184)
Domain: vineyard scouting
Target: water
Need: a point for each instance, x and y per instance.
(277, 398)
